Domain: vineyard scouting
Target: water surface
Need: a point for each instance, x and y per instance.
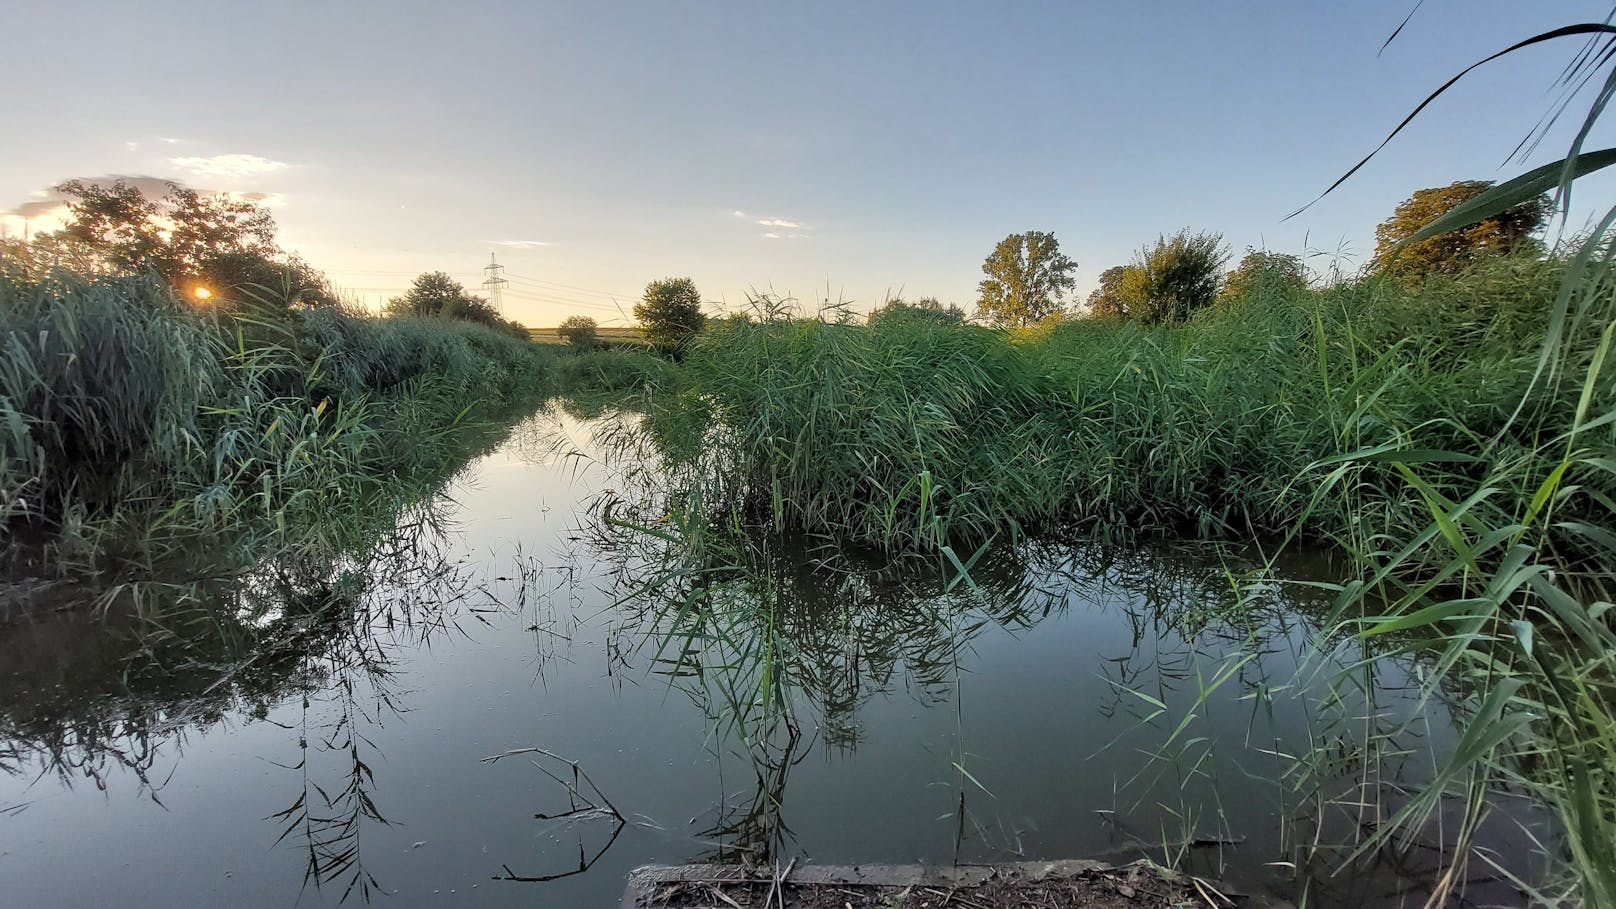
(323, 732)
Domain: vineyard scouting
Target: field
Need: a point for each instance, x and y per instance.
(609, 334)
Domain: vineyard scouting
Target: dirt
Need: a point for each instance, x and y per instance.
(1135, 886)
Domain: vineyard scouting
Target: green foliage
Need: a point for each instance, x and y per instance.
(1455, 249)
(1027, 279)
(580, 332)
(1403, 423)
(1263, 273)
(1121, 291)
(928, 308)
(436, 295)
(130, 420)
(670, 313)
(1181, 275)
(191, 239)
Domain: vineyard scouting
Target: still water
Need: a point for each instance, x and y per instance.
(358, 729)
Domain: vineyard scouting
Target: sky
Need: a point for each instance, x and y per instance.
(840, 150)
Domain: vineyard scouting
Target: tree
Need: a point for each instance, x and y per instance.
(436, 295)
(670, 313)
(1452, 251)
(580, 332)
(1182, 275)
(1121, 290)
(926, 309)
(1263, 272)
(191, 239)
(1027, 279)
(433, 294)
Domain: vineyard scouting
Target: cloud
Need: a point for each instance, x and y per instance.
(171, 141)
(519, 244)
(234, 166)
(131, 145)
(788, 223)
(51, 200)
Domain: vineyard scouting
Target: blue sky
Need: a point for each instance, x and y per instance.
(889, 145)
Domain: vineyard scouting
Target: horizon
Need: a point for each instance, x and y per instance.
(595, 152)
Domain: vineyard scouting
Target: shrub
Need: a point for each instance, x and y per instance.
(580, 332)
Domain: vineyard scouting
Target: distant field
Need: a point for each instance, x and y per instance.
(611, 334)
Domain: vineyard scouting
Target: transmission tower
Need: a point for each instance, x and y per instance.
(494, 284)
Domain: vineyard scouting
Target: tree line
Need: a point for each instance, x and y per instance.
(1027, 277)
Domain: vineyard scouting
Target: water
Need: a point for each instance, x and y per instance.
(820, 705)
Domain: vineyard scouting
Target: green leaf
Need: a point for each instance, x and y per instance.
(1511, 193)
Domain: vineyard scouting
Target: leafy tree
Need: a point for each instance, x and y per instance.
(1263, 272)
(433, 294)
(1121, 291)
(436, 295)
(189, 238)
(1454, 250)
(670, 313)
(1027, 279)
(1182, 275)
(928, 309)
(580, 332)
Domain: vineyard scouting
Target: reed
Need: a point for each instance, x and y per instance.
(133, 425)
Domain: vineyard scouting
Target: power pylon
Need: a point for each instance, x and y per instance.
(494, 284)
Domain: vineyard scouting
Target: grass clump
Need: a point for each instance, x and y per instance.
(130, 421)
(1455, 437)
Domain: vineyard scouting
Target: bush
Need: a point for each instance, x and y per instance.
(580, 332)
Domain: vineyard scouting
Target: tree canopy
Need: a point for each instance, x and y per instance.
(670, 313)
(1027, 278)
(1182, 275)
(191, 239)
(929, 309)
(1262, 272)
(1452, 251)
(1121, 291)
(580, 332)
(436, 295)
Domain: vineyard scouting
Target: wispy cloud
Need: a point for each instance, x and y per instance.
(787, 223)
(230, 167)
(53, 202)
(519, 244)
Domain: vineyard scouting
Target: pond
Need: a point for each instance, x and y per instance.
(534, 685)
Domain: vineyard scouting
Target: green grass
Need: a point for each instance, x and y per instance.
(1466, 468)
(133, 425)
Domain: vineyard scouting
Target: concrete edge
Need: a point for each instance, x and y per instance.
(642, 881)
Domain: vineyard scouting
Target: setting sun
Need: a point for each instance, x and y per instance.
(202, 293)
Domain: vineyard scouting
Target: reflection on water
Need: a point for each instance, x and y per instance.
(557, 671)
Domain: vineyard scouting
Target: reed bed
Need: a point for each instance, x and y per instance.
(1456, 439)
(133, 425)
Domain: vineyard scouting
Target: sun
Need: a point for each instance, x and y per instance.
(202, 293)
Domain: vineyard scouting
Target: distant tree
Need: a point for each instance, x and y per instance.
(1263, 272)
(929, 309)
(1182, 275)
(580, 332)
(1121, 290)
(1454, 250)
(189, 238)
(1027, 279)
(670, 313)
(433, 294)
